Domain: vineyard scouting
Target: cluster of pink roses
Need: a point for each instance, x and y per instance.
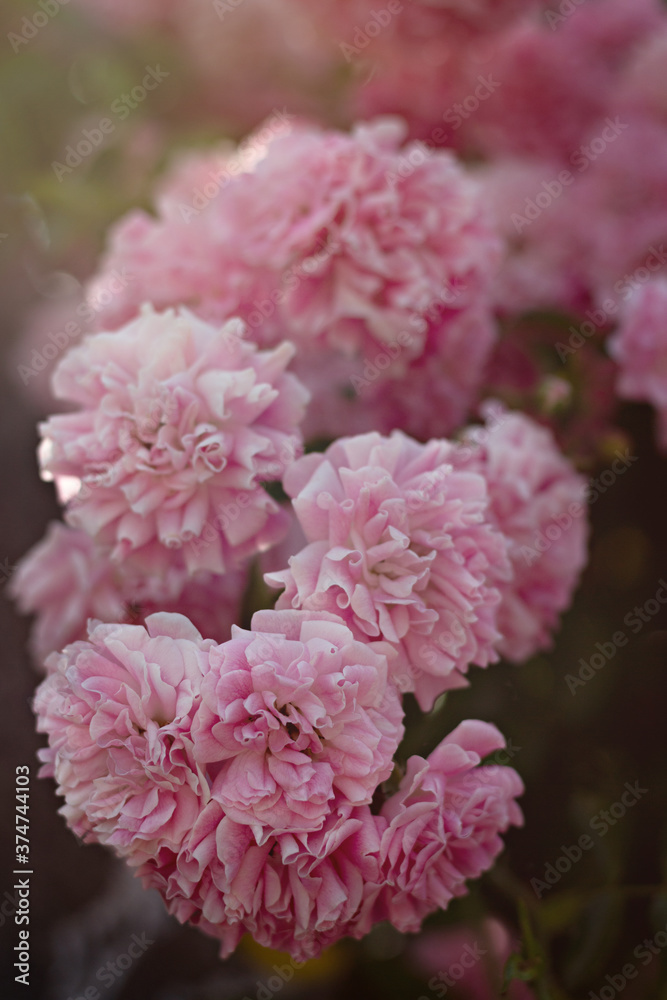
(164, 470)
(251, 778)
(239, 778)
(346, 286)
(375, 258)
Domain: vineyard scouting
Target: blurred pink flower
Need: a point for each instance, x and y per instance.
(444, 824)
(352, 243)
(582, 245)
(558, 80)
(399, 548)
(178, 424)
(418, 59)
(538, 502)
(65, 580)
(297, 722)
(471, 957)
(427, 396)
(437, 391)
(640, 348)
(117, 710)
(536, 273)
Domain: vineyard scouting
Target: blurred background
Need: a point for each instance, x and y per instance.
(572, 929)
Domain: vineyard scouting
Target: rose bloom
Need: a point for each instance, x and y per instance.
(298, 893)
(354, 244)
(443, 824)
(156, 741)
(66, 580)
(178, 424)
(117, 710)
(303, 891)
(399, 547)
(298, 718)
(537, 501)
(364, 234)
